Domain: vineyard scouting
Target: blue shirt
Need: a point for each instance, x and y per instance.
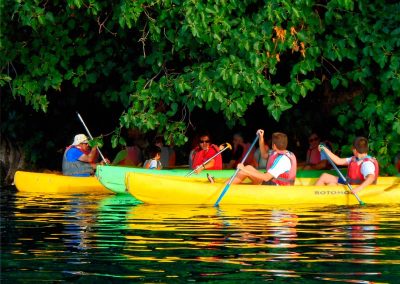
(73, 154)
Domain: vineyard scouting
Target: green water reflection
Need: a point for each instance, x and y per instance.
(111, 239)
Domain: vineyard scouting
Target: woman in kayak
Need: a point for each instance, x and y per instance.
(204, 151)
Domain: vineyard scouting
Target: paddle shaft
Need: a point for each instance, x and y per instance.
(343, 178)
(216, 154)
(236, 172)
(90, 136)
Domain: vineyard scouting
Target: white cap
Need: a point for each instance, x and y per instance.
(80, 138)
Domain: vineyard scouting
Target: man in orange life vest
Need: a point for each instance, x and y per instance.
(281, 166)
(204, 151)
(363, 169)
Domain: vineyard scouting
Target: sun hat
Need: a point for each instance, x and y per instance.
(80, 138)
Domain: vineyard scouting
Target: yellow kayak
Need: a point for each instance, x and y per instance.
(56, 183)
(154, 189)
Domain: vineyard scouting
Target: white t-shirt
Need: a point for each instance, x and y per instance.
(281, 165)
(153, 164)
(367, 168)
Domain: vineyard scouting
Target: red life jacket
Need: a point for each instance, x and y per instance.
(286, 178)
(200, 156)
(354, 175)
(313, 156)
(95, 157)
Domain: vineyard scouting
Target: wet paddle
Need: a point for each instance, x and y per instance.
(341, 176)
(236, 172)
(227, 146)
(91, 137)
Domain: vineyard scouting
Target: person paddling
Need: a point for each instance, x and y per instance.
(203, 152)
(363, 169)
(281, 165)
(79, 159)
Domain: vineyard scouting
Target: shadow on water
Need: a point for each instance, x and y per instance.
(104, 239)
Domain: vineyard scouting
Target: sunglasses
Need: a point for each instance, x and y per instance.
(313, 139)
(204, 141)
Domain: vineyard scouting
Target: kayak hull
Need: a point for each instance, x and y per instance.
(170, 190)
(113, 177)
(56, 183)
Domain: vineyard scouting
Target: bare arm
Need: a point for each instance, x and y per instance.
(369, 180)
(89, 158)
(263, 152)
(201, 167)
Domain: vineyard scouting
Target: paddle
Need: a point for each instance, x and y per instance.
(236, 172)
(91, 137)
(227, 146)
(341, 175)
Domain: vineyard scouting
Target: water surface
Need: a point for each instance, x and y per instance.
(112, 239)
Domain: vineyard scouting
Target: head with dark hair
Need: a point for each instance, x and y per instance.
(153, 150)
(361, 145)
(204, 140)
(280, 140)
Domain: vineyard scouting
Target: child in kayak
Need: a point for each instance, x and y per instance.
(154, 162)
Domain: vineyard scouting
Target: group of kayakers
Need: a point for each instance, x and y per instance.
(279, 163)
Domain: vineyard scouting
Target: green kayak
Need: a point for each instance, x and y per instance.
(113, 177)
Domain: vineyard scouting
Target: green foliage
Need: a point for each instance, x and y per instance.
(162, 60)
(371, 53)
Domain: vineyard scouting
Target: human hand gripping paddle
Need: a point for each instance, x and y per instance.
(91, 137)
(236, 172)
(222, 149)
(322, 147)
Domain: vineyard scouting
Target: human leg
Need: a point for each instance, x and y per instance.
(247, 172)
(327, 179)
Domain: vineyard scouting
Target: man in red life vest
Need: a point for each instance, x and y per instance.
(204, 151)
(281, 166)
(363, 169)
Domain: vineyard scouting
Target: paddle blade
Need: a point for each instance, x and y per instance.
(222, 194)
